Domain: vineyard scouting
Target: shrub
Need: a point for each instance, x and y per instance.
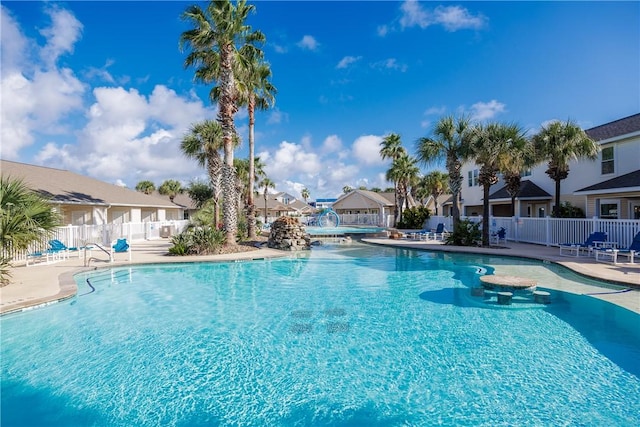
(467, 233)
(197, 241)
(414, 218)
(567, 210)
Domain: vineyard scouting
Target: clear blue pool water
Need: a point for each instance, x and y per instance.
(349, 336)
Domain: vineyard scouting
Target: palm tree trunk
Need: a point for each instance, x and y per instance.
(225, 114)
(556, 208)
(485, 217)
(251, 210)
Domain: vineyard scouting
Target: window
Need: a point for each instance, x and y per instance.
(473, 178)
(607, 160)
(609, 210)
(525, 173)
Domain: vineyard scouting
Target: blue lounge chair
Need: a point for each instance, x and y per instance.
(610, 254)
(120, 246)
(576, 249)
(439, 233)
(60, 250)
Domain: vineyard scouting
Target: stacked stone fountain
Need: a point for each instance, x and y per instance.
(288, 234)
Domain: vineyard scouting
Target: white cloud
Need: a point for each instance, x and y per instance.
(64, 32)
(366, 149)
(414, 15)
(276, 117)
(390, 64)
(452, 18)
(382, 30)
(40, 97)
(331, 144)
(487, 110)
(347, 61)
(308, 42)
(289, 160)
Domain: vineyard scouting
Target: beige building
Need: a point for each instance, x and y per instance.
(86, 201)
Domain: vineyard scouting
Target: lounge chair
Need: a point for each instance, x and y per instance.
(576, 249)
(119, 246)
(611, 254)
(439, 233)
(61, 250)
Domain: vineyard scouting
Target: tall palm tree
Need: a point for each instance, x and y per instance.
(520, 157)
(203, 142)
(218, 34)
(266, 183)
(347, 189)
(490, 145)
(25, 218)
(170, 188)
(558, 143)
(391, 148)
(404, 172)
(436, 183)
(146, 187)
(450, 143)
(257, 93)
(305, 194)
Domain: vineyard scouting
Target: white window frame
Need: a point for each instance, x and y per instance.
(612, 160)
(609, 202)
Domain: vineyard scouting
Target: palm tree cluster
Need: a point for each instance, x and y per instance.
(497, 148)
(225, 51)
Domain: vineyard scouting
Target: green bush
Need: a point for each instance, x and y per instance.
(414, 218)
(567, 210)
(467, 233)
(197, 241)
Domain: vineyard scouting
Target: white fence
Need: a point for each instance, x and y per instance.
(554, 231)
(81, 235)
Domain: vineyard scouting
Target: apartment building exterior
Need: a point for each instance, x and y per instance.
(607, 188)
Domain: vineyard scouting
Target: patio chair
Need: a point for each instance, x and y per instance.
(439, 233)
(611, 254)
(497, 236)
(120, 246)
(576, 249)
(59, 249)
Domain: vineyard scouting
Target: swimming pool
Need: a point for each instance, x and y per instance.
(342, 230)
(354, 335)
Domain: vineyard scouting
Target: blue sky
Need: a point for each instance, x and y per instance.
(99, 88)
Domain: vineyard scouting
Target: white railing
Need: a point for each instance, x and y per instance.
(80, 235)
(360, 219)
(554, 231)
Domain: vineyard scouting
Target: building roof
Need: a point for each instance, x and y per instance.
(619, 127)
(528, 191)
(65, 187)
(627, 182)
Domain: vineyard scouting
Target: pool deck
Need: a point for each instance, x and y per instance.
(47, 283)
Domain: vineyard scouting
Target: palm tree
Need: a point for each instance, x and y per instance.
(201, 193)
(404, 173)
(436, 183)
(257, 93)
(203, 143)
(266, 183)
(25, 218)
(559, 143)
(305, 194)
(520, 157)
(214, 41)
(391, 148)
(146, 187)
(451, 144)
(170, 188)
(347, 189)
(490, 145)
